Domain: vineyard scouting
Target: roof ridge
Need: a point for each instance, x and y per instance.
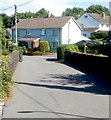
(97, 14)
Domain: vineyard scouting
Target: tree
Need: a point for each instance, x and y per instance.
(98, 9)
(75, 12)
(7, 21)
(41, 13)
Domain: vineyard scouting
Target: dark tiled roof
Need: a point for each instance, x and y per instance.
(89, 29)
(99, 18)
(52, 22)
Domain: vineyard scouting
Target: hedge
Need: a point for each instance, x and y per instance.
(91, 49)
(62, 48)
(44, 46)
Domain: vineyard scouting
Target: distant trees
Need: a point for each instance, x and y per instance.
(98, 9)
(76, 12)
(9, 21)
(6, 20)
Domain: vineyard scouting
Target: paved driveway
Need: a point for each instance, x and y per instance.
(44, 88)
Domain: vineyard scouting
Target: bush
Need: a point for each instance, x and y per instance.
(63, 48)
(91, 49)
(99, 34)
(44, 46)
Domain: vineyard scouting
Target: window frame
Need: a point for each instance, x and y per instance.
(55, 31)
(43, 32)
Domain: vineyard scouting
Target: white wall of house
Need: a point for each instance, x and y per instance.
(86, 21)
(71, 33)
(104, 27)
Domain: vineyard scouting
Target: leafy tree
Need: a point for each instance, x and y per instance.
(7, 20)
(75, 12)
(98, 9)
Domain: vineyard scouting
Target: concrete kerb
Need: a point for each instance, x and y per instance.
(2, 104)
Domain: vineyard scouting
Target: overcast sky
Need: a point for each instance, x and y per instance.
(55, 7)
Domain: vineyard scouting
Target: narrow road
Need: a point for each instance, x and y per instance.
(44, 88)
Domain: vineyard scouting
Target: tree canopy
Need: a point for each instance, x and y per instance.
(98, 9)
(76, 12)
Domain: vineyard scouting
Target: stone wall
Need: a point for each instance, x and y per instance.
(13, 61)
(96, 64)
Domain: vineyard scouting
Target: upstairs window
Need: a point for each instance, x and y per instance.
(27, 32)
(85, 16)
(55, 32)
(43, 32)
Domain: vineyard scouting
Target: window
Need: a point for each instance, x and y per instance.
(55, 44)
(85, 16)
(85, 35)
(82, 25)
(102, 25)
(18, 33)
(55, 31)
(107, 25)
(43, 32)
(27, 32)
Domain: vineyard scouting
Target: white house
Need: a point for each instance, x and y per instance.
(91, 22)
(55, 30)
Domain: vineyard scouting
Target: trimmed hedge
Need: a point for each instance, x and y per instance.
(91, 49)
(62, 48)
(44, 46)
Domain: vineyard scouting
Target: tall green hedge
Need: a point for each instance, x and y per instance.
(5, 78)
(91, 49)
(44, 46)
(62, 48)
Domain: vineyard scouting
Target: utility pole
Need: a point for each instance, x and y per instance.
(16, 43)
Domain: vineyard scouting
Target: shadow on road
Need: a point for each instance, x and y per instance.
(91, 89)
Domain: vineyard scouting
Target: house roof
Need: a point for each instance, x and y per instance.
(52, 22)
(100, 18)
(26, 39)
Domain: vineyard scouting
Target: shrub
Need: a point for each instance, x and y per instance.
(63, 48)
(44, 46)
(91, 49)
(99, 34)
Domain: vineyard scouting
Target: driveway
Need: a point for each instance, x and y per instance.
(45, 88)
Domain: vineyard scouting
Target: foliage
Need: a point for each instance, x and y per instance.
(98, 9)
(63, 48)
(76, 12)
(98, 41)
(99, 34)
(44, 46)
(96, 49)
(7, 20)
(5, 78)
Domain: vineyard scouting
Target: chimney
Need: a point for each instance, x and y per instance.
(48, 15)
(103, 15)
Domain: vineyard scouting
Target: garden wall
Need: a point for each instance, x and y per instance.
(13, 61)
(96, 64)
